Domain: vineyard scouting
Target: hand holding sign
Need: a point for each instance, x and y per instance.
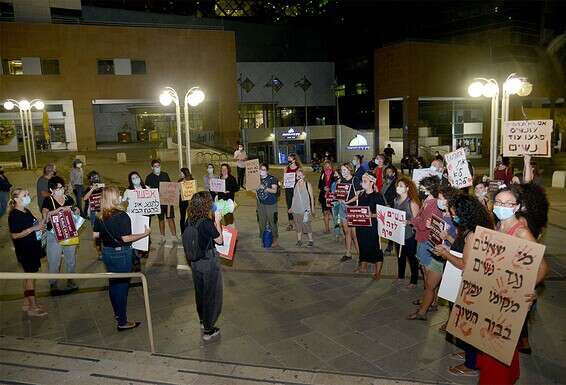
(391, 224)
(169, 193)
(533, 137)
(458, 170)
(143, 201)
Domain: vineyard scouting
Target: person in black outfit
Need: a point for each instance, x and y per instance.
(389, 152)
(324, 186)
(167, 212)
(114, 227)
(184, 205)
(232, 188)
(389, 193)
(205, 267)
(5, 187)
(24, 229)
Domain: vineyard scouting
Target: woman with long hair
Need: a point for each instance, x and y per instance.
(292, 167)
(302, 208)
(184, 205)
(114, 228)
(324, 187)
(232, 188)
(408, 201)
(135, 182)
(210, 174)
(205, 267)
(24, 229)
(347, 178)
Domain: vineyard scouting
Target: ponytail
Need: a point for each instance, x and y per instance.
(13, 195)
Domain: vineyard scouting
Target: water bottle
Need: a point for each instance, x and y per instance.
(267, 238)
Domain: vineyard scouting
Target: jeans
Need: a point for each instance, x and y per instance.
(241, 175)
(54, 251)
(118, 261)
(79, 191)
(207, 278)
(3, 202)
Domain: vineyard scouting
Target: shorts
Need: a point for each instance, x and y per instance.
(302, 227)
(426, 259)
(166, 212)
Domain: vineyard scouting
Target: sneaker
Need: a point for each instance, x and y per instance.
(310, 244)
(129, 325)
(36, 312)
(345, 258)
(299, 243)
(53, 289)
(210, 334)
(71, 285)
(201, 326)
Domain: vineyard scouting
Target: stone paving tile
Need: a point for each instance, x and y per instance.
(363, 346)
(389, 337)
(327, 324)
(293, 355)
(321, 346)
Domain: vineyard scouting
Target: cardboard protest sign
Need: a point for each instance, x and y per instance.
(421, 173)
(437, 225)
(94, 201)
(490, 308)
(289, 180)
(143, 201)
(391, 224)
(342, 191)
(169, 193)
(495, 185)
(229, 235)
(139, 223)
(458, 172)
(188, 189)
(358, 216)
(527, 137)
(252, 174)
(64, 225)
(451, 280)
(330, 197)
(217, 185)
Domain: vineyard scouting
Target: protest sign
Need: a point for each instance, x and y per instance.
(391, 224)
(64, 225)
(358, 216)
(491, 305)
(330, 197)
(437, 225)
(139, 223)
(451, 280)
(229, 235)
(188, 189)
(495, 185)
(421, 173)
(289, 180)
(168, 193)
(527, 137)
(94, 201)
(143, 201)
(342, 191)
(458, 172)
(217, 185)
(252, 174)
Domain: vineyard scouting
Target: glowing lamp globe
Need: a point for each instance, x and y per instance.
(513, 85)
(490, 90)
(195, 97)
(8, 105)
(165, 98)
(24, 105)
(475, 90)
(39, 105)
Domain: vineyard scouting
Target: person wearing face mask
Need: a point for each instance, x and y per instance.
(135, 183)
(184, 205)
(438, 166)
(167, 212)
(92, 198)
(232, 188)
(241, 156)
(379, 171)
(481, 189)
(49, 171)
(407, 200)
(76, 179)
(503, 170)
(208, 176)
(359, 171)
(302, 208)
(389, 193)
(51, 205)
(24, 229)
(368, 237)
(267, 203)
(347, 177)
(5, 187)
(294, 165)
(324, 187)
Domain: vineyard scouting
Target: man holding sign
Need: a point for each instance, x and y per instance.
(153, 180)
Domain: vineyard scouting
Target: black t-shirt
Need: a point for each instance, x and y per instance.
(113, 229)
(153, 180)
(29, 245)
(207, 232)
(51, 204)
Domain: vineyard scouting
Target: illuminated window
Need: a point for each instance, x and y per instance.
(13, 67)
(340, 90)
(361, 89)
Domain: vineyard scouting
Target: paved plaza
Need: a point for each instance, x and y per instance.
(286, 307)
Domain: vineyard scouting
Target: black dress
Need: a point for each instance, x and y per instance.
(368, 238)
(28, 249)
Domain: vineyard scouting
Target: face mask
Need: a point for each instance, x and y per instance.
(299, 177)
(456, 219)
(365, 185)
(400, 190)
(79, 165)
(59, 192)
(355, 162)
(210, 170)
(481, 194)
(241, 148)
(95, 179)
(503, 213)
(262, 173)
(156, 170)
(26, 201)
(345, 173)
(136, 181)
(441, 204)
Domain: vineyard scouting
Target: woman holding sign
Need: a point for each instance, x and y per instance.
(302, 208)
(184, 205)
(294, 165)
(324, 187)
(232, 188)
(348, 199)
(368, 237)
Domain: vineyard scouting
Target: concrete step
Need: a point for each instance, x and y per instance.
(37, 361)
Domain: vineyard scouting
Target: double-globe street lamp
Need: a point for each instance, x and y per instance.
(489, 88)
(28, 138)
(193, 97)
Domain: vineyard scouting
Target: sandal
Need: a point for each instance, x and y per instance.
(433, 307)
(416, 302)
(460, 356)
(458, 371)
(442, 329)
(417, 316)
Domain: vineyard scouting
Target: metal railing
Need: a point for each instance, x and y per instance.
(45, 276)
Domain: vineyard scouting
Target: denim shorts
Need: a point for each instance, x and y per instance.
(425, 258)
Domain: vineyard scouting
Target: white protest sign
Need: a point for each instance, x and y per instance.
(289, 180)
(143, 201)
(391, 224)
(139, 223)
(421, 173)
(458, 171)
(451, 280)
(217, 185)
(527, 137)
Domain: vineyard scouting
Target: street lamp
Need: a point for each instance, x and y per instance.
(193, 97)
(24, 106)
(165, 98)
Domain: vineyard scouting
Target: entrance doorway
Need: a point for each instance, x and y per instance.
(286, 148)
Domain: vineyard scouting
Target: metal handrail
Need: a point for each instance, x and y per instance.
(44, 276)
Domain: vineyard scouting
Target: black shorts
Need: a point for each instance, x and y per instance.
(30, 264)
(166, 212)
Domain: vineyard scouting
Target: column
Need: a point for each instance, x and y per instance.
(383, 128)
(410, 125)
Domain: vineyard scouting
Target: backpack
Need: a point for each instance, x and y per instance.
(191, 246)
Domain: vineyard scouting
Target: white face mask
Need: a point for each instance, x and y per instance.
(157, 170)
(263, 173)
(210, 170)
(59, 192)
(241, 148)
(79, 165)
(401, 190)
(136, 181)
(26, 201)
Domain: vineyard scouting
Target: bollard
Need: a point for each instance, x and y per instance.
(121, 157)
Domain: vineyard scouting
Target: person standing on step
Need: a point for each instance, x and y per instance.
(231, 189)
(241, 156)
(294, 165)
(167, 212)
(76, 178)
(302, 208)
(207, 177)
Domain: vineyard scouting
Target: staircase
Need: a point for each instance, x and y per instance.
(28, 361)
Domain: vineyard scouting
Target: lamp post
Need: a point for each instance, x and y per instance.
(24, 106)
(165, 98)
(193, 97)
(490, 89)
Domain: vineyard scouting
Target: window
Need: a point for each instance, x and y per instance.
(361, 89)
(138, 67)
(106, 67)
(50, 67)
(13, 67)
(340, 90)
